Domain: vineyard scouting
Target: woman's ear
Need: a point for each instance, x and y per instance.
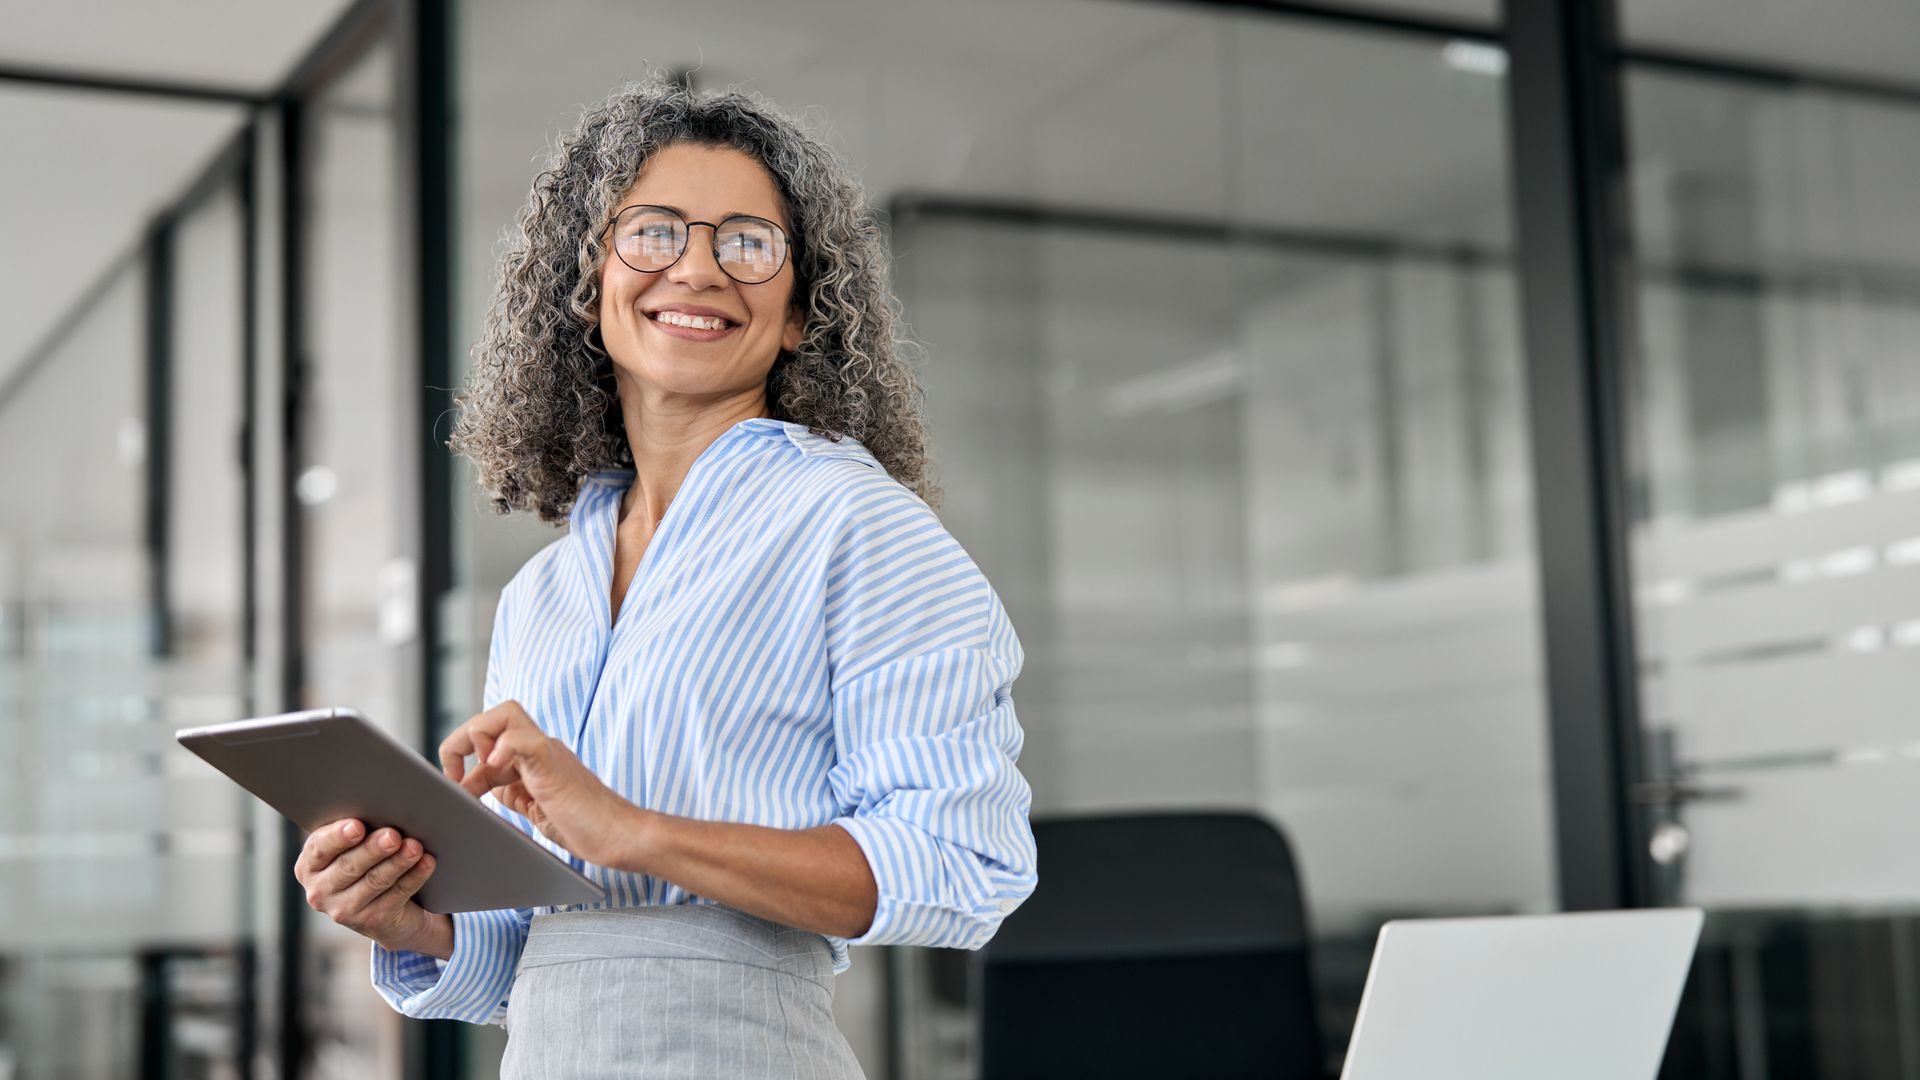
(796, 328)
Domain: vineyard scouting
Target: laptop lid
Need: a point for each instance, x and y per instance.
(1587, 996)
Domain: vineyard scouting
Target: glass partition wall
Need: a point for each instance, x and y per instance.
(126, 864)
(355, 488)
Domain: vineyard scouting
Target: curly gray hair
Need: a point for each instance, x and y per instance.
(540, 411)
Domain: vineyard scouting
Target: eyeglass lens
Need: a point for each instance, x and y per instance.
(652, 238)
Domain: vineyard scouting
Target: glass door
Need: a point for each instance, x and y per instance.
(1774, 429)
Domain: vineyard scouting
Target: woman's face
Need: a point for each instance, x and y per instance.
(703, 184)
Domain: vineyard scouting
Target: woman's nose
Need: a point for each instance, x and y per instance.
(696, 266)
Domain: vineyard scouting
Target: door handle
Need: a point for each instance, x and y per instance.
(1679, 792)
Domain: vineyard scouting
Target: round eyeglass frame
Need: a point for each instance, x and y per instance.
(786, 242)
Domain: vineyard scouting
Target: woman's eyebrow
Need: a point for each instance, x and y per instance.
(731, 213)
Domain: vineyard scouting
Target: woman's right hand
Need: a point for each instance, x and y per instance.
(366, 884)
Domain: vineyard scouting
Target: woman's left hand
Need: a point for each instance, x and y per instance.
(538, 777)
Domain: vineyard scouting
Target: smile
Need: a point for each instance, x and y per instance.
(692, 327)
(695, 322)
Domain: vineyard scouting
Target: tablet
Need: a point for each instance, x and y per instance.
(321, 765)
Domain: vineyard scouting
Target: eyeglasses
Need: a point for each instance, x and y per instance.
(650, 239)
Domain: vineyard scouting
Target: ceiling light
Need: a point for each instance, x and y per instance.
(1475, 57)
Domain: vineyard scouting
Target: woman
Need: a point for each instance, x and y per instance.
(757, 691)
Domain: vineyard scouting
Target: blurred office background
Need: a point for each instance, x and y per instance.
(1482, 441)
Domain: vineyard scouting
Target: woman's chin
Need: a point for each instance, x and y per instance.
(682, 377)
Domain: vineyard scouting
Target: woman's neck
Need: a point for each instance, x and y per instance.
(665, 441)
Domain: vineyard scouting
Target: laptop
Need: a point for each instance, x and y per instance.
(1587, 996)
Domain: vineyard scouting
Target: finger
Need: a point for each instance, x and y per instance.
(515, 796)
(353, 864)
(523, 742)
(379, 878)
(387, 905)
(507, 744)
(455, 748)
(478, 744)
(503, 763)
(411, 881)
(488, 775)
(483, 745)
(513, 754)
(327, 843)
(453, 753)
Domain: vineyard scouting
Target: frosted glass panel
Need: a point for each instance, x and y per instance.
(124, 860)
(1777, 415)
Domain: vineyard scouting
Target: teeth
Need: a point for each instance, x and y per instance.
(697, 322)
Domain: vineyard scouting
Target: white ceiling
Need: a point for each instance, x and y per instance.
(82, 176)
(1094, 104)
(246, 45)
(85, 171)
(1485, 11)
(1863, 38)
(1876, 39)
(943, 98)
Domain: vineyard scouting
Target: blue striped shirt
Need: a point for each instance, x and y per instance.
(803, 643)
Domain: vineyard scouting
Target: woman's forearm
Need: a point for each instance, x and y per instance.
(811, 879)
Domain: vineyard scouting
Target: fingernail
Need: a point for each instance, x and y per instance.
(387, 842)
(352, 830)
(413, 848)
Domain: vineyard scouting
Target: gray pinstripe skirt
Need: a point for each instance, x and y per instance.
(685, 991)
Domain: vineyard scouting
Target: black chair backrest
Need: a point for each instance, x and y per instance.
(1156, 945)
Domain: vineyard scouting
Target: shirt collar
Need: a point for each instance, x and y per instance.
(612, 483)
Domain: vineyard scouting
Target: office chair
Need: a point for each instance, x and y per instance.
(1156, 945)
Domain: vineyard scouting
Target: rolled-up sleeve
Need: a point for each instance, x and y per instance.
(475, 984)
(923, 660)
